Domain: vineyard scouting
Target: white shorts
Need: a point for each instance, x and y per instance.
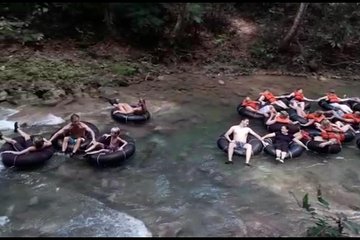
(264, 109)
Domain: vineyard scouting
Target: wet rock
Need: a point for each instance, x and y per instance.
(33, 201)
(221, 82)
(107, 91)
(170, 229)
(3, 96)
(160, 78)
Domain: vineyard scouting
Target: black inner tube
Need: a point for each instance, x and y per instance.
(126, 118)
(295, 150)
(25, 161)
(113, 158)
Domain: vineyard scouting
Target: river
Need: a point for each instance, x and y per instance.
(176, 184)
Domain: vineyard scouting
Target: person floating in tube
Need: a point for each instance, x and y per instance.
(268, 97)
(116, 143)
(240, 133)
(335, 101)
(32, 142)
(127, 109)
(255, 106)
(298, 99)
(281, 117)
(77, 131)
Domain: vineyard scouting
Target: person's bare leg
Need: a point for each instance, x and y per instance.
(8, 140)
(95, 145)
(300, 112)
(277, 153)
(77, 145)
(230, 152)
(23, 134)
(248, 148)
(65, 143)
(302, 105)
(283, 155)
(98, 151)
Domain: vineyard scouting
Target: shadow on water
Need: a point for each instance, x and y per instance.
(176, 183)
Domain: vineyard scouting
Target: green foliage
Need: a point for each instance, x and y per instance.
(329, 224)
(123, 69)
(17, 30)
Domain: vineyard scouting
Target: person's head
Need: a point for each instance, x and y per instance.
(115, 131)
(318, 113)
(357, 113)
(284, 129)
(284, 114)
(332, 91)
(247, 98)
(75, 119)
(325, 123)
(300, 90)
(38, 141)
(266, 91)
(244, 122)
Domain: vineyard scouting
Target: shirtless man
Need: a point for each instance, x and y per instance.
(240, 133)
(77, 131)
(127, 109)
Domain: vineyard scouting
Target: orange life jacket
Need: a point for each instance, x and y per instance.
(333, 98)
(298, 96)
(317, 119)
(282, 120)
(249, 103)
(352, 116)
(329, 133)
(269, 97)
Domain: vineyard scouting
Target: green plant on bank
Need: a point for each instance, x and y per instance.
(122, 69)
(327, 223)
(38, 69)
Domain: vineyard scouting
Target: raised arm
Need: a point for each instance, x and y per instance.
(310, 121)
(227, 134)
(47, 143)
(310, 100)
(90, 131)
(285, 96)
(320, 98)
(123, 141)
(61, 131)
(271, 119)
(269, 135)
(300, 143)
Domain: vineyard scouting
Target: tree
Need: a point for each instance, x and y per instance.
(292, 32)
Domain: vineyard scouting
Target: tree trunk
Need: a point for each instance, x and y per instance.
(108, 19)
(290, 35)
(180, 22)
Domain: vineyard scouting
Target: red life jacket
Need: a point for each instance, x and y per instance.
(329, 133)
(298, 96)
(352, 116)
(317, 119)
(269, 97)
(282, 120)
(249, 103)
(333, 98)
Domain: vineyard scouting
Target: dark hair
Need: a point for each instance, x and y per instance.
(74, 116)
(38, 141)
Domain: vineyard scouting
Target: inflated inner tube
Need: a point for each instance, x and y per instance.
(114, 158)
(295, 150)
(314, 146)
(246, 112)
(355, 105)
(125, 118)
(276, 127)
(24, 161)
(349, 136)
(256, 144)
(57, 142)
(326, 105)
